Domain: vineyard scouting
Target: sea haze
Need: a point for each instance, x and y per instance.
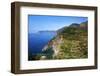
(37, 41)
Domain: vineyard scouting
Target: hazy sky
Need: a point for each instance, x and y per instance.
(44, 22)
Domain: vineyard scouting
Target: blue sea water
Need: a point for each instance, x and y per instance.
(37, 41)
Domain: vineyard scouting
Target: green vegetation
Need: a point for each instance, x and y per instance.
(70, 43)
(73, 46)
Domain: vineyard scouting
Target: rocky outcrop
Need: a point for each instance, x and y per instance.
(54, 45)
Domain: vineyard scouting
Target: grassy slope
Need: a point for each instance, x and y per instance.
(70, 43)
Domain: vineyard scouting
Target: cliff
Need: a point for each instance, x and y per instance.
(70, 43)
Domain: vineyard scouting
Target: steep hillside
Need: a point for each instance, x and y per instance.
(70, 43)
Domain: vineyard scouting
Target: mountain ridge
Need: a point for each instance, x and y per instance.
(70, 43)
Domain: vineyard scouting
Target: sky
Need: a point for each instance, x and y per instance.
(51, 23)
